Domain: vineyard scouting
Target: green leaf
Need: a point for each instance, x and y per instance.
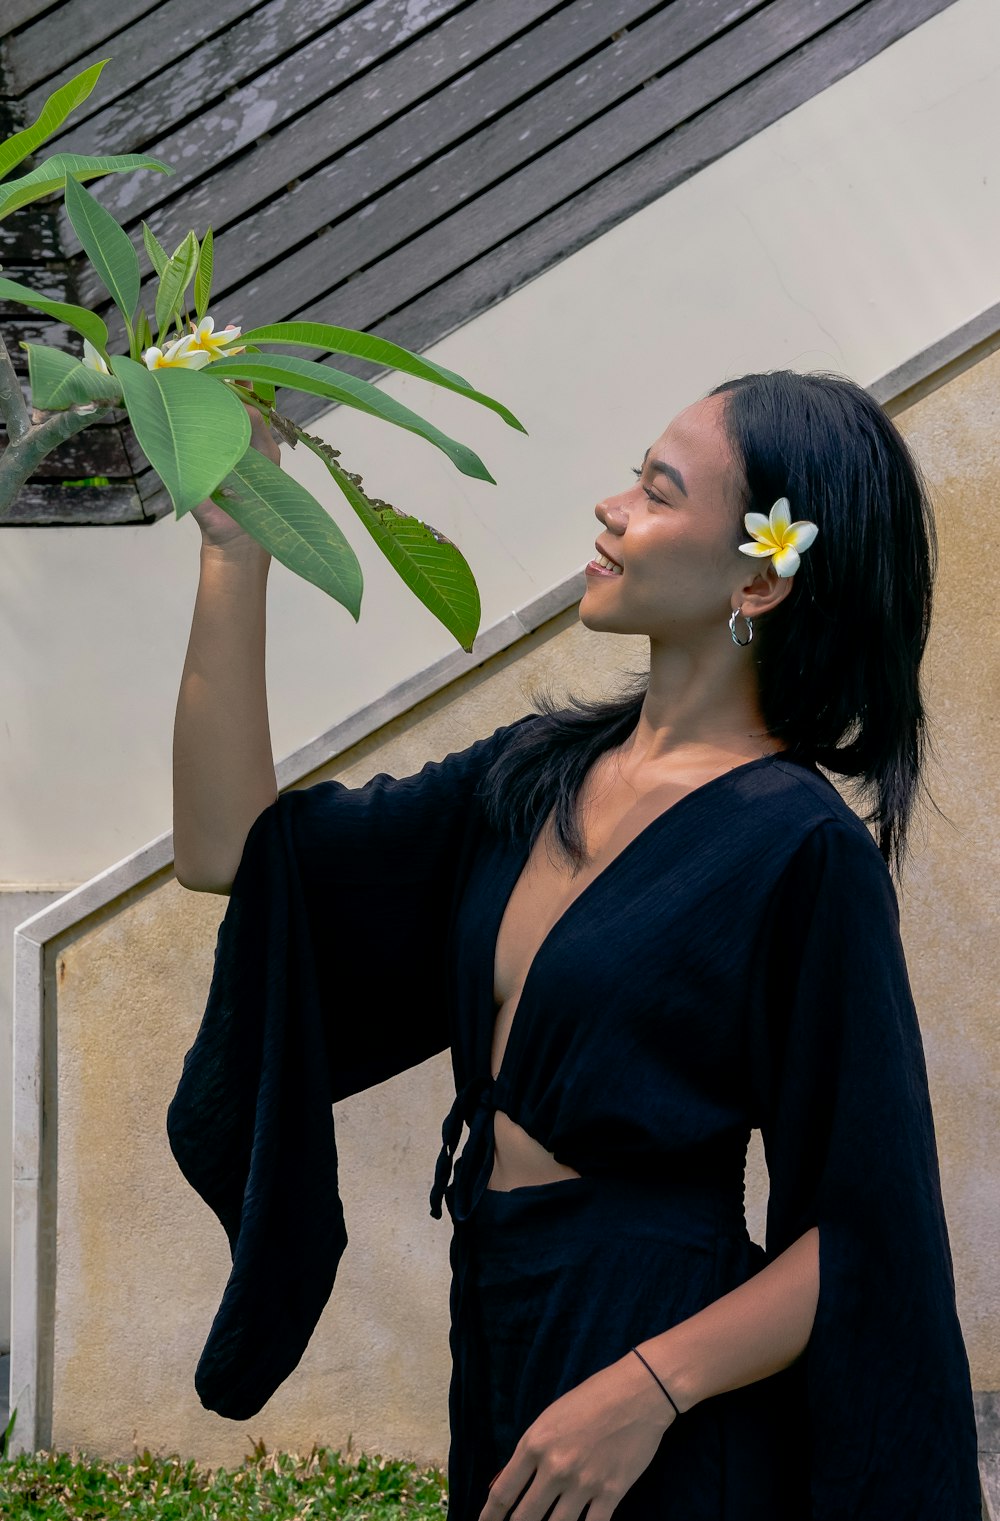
(77, 317)
(321, 380)
(345, 340)
(288, 521)
(52, 175)
(5, 1439)
(107, 246)
(155, 251)
(191, 429)
(59, 381)
(50, 118)
(431, 565)
(174, 282)
(203, 277)
(143, 331)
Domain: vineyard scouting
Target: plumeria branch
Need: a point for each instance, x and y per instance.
(46, 431)
(12, 403)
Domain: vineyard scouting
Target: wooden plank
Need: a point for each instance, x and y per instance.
(155, 497)
(529, 193)
(223, 57)
(18, 13)
(475, 82)
(506, 141)
(40, 504)
(31, 236)
(240, 118)
(48, 44)
(151, 37)
(763, 100)
(27, 329)
(51, 281)
(98, 450)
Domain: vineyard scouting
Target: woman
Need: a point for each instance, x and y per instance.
(643, 927)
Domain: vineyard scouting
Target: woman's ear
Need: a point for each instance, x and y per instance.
(762, 591)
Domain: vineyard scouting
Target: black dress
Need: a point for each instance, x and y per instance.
(738, 964)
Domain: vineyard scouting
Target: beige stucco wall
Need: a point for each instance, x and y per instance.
(141, 1262)
(951, 897)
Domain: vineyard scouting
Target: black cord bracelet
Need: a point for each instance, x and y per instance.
(657, 1377)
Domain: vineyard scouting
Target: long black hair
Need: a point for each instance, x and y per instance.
(837, 660)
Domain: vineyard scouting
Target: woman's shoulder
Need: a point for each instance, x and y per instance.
(795, 798)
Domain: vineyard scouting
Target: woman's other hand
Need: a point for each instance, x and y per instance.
(586, 1449)
(217, 527)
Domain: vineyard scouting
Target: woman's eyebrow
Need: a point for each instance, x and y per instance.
(660, 467)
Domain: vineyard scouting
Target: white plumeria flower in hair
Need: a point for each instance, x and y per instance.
(181, 354)
(215, 344)
(779, 537)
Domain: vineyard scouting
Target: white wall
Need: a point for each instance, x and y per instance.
(849, 235)
(852, 233)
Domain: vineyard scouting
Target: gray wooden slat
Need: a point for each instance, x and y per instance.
(46, 45)
(280, 93)
(153, 494)
(40, 504)
(53, 284)
(505, 142)
(136, 458)
(554, 177)
(221, 57)
(31, 329)
(475, 84)
(96, 451)
(151, 37)
(31, 236)
(645, 178)
(18, 13)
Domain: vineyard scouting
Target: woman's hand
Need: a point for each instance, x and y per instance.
(217, 527)
(587, 1448)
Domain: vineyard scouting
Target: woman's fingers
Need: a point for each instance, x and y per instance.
(507, 1488)
(262, 438)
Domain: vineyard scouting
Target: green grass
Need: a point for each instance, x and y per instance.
(277, 1486)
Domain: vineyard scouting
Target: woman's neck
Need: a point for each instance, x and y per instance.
(698, 706)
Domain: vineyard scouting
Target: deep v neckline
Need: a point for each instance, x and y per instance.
(520, 860)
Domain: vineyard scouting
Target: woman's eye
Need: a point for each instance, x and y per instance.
(637, 472)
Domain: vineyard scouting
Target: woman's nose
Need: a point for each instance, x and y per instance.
(612, 514)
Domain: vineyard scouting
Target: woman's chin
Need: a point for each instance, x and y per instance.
(601, 620)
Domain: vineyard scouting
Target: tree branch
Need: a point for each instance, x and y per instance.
(20, 460)
(12, 406)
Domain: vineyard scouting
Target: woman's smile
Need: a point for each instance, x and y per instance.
(603, 565)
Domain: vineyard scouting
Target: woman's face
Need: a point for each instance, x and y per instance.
(675, 533)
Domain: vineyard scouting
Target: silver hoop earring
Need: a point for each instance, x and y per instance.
(739, 613)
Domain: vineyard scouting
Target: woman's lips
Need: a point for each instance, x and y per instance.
(603, 564)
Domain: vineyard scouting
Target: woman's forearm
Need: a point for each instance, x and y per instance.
(753, 1331)
(223, 767)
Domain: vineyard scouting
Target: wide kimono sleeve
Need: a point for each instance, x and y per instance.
(846, 1121)
(330, 975)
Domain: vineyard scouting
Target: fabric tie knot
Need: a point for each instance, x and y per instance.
(473, 1106)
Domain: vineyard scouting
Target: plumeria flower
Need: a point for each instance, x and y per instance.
(215, 344)
(92, 358)
(181, 354)
(777, 535)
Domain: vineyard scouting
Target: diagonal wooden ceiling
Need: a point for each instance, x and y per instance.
(394, 165)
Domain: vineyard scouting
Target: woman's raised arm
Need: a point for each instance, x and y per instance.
(223, 767)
